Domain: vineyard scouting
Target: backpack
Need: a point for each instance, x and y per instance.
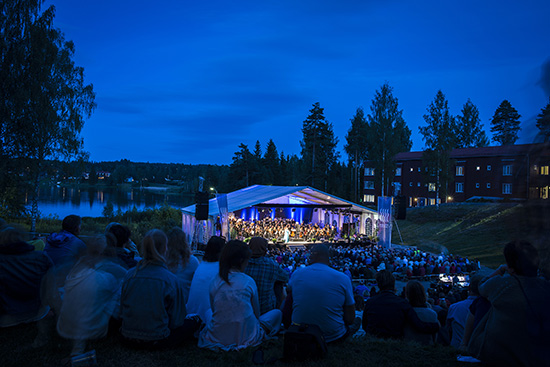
(305, 341)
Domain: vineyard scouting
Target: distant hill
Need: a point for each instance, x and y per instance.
(477, 230)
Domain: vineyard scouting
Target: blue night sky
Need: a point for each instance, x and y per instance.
(188, 81)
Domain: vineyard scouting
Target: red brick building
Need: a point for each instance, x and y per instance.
(514, 172)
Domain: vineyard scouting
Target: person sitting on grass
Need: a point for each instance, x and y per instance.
(92, 294)
(152, 300)
(118, 238)
(199, 298)
(386, 314)
(416, 295)
(516, 329)
(180, 260)
(236, 321)
(22, 270)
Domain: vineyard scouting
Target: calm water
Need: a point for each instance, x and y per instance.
(90, 202)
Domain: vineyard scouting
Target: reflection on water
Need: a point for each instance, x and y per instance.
(90, 202)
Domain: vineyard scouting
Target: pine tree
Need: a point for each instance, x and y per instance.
(543, 122)
(469, 129)
(439, 138)
(318, 148)
(387, 135)
(271, 164)
(356, 148)
(505, 124)
(239, 170)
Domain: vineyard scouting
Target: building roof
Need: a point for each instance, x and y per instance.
(493, 151)
(278, 196)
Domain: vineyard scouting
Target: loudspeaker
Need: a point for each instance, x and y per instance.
(201, 207)
(401, 204)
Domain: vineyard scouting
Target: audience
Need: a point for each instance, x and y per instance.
(267, 274)
(323, 296)
(91, 297)
(386, 314)
(180, 260)
(458, 313)
(199, 296)
(22, 270)
(416, 295)
(65, 247)
(516, 330)
(236, 321)
(152, 301)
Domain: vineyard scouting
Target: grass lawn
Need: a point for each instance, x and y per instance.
(15, 350)
(477, 230)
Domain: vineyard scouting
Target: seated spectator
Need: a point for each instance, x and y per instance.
(92, 295)
(65, 247)
(119, 241)
(199, 297)
(236, 321)
(180, 260)
(416, 295)
(386, 314)
(266, 273)
(516, 330)
(21, 272)
(152, 300)
(323, 296)
(458, 313)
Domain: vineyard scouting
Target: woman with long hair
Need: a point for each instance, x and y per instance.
(199, 297)
(416, 295)
(180, 260)
(236, 321)
(152, 302)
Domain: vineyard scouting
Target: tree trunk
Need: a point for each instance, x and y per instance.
(34, 202)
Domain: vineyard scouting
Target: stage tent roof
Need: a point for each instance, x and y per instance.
(259, 195)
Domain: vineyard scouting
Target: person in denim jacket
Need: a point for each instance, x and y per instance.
(152, 301)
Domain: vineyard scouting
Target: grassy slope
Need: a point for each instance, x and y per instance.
(15, 351)
(476, 230)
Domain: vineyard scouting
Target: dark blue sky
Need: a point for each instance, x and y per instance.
(188, 81)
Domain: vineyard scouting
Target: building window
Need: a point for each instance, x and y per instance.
(488, 167)
(459, 187)
(507, 188)
(369, 185)
(412, 169)
(398, 171)
(410, 184)
(432, 201)
(478, 168)
(488, 185)
(460, 170)
(418, 184)
(369, 171)
(507, 170)
(369, 198)
(544, 170)
(544, 192)
(419, 169)
(431, 186)
(477, 185)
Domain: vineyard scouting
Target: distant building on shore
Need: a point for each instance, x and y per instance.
(512, 172)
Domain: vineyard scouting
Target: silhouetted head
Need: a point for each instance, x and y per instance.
(72, 223)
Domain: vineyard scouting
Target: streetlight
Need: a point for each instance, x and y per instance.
(215, 192)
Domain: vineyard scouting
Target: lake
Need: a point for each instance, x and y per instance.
(90, 201)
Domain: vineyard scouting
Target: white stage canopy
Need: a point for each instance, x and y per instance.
(297, 202)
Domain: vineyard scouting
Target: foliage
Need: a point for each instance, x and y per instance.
(505, 124)
(543, 122)
(45, 97)
(356, 148)
(271, 165)
(240, 169)
(318, 148)
(388, 135)
(469, 129)
(440, 138)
